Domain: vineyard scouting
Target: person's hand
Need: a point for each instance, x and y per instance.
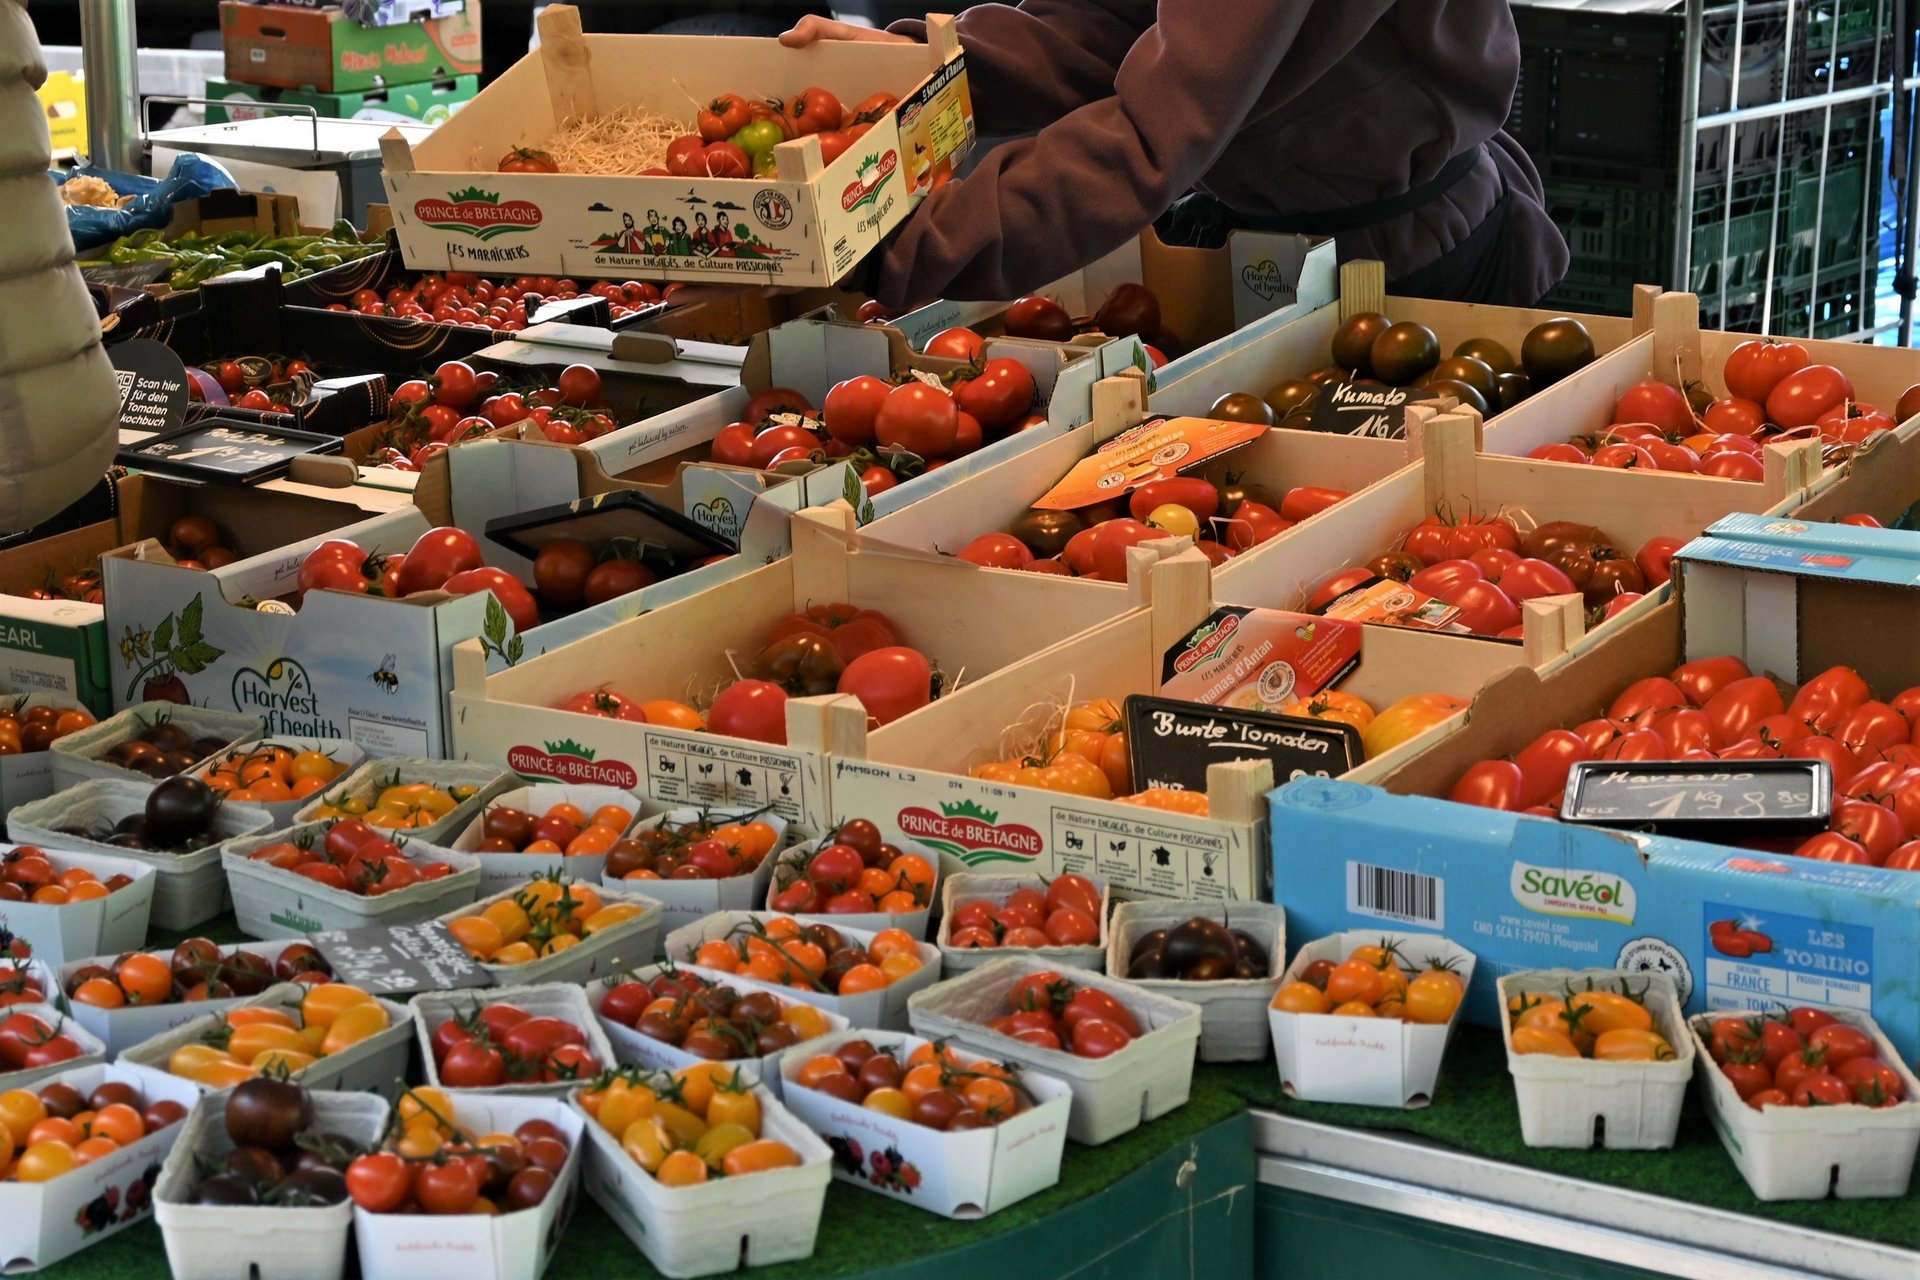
(812, 28)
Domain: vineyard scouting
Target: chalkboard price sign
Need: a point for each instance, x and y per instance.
(1707, 799)
(1172, 742)
(401, 958)
(1362, 409)
(229, 452)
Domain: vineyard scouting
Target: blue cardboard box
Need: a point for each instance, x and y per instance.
(1736, 928)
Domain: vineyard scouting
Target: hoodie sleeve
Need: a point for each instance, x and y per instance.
(1032, 64)
(1035, 209)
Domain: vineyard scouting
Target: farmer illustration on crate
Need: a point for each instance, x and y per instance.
(628, 239)
(679, 244)
(702, 236)
(1376, 122)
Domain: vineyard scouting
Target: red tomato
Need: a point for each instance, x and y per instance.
(1643, 697)
(876, 480)
(1850, 423)
(1492, 784)
(1874, 827)
(1872, 1082)
(1704, 677)
(777, 400)
(1196, 495)
(1739, 705)
(1672, 457)
(776, 440)
(1545, 762)
(1831, 846)
(1559, 451)
(1333, 588)
(733, 445)
(997, 551)
(1000, 396)
(956, 343)
(753, 709)
(920, 419)
(1732, 415)
(579, 385)
(1091, 1002)
(507, 589)
(1755, 368)
(1531, 579)
(1731, 464)
(1799, 399)
(1447, 578)
(435, 556)
(851, 408)
(1624, 457)
(1655, 560)
(1309, 500)
(1485, 609)
(1658, 403)
(1099, 1038)
(889, 682)
(617, 577)
(1841, 1044)
(1251, 524)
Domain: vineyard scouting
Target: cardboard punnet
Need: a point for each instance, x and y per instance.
(1256, 358)
(631, 1046)
(722, 1224)
(509, 1246)
(346, 754)
(1584, 1102)
(104, 926)
(1675, 349)
(1536, 893)
(1375, 1062)
(612, 949)
(559, 999)
(208, 1242)
(1140, 1081)
(965, 1175)
(300, 48)
(1211, 299)
(271, 903)
(500, 871)
(811, 356)
(92, 1049)
(187, 886)
(1233, 1011)
(687, 901)
(29, 775)
(965, 619)
(133, 1024)
(391, 698)
(964, 887)
(374, 1065)
(884, 1009)
(809, 224)
(1810, 1153)
(371, 779)
(50, 1221)
(82, 755)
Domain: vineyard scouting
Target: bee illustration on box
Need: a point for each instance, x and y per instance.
(384, 678)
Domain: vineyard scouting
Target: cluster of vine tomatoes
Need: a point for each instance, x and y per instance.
(432, 1165)
(1775, 394)
(355, 858)
(564, 828)
(28, 873)
(702, 1122)
(458, 402)
(18, 983)
(269, 772)
(1607, 1026)
(710, 1019)
(268, 1040)
(1486, 568)
(823, 649)
(28, 1040)
(851, 871)
(1802, 1057)
(550, 915)
(931, 1085)
(1374, 982)
(1716, 709)
(816, 957)
(1067, 914)
(278, 1155)
(1049, 1010)
(734, 136)
(501, 1043)
(478, 302)
(703, 849)
(197, 969)
(58, 1129)
(263, 383)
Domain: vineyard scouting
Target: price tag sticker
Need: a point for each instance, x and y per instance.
(1707, 799)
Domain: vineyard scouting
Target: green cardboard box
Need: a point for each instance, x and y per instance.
(324, 50)
(429, 101)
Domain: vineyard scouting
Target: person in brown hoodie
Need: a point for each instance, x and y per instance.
(1375, 121)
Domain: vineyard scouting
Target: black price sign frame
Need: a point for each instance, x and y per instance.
(1701, 800)
(226, 451)
(1351, 409)
(1170, 743)
(401, 959)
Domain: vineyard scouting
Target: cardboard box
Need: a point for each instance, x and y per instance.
(323, 49)
(965, 1175)
(1140, 1081)
(963, 618)
(1580, 1103)
(385, 13)
(1675, 345)
(1373, 1062)
(104, 926)
(50, 1221)
(389, 696)
(429, 101)
(1211, 300)
(810, 357)
(630, 1046)
(1257, 358)
(809, 225)
(509, 1246)
(1533, 893)
(885, 1008)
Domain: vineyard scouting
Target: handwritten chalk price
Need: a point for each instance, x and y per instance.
(396, 959)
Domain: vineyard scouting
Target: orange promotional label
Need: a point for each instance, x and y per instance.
(1150, 451)
(1394, 604)
(1259, 659)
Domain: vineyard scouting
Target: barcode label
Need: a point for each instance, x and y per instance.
(1388, 894)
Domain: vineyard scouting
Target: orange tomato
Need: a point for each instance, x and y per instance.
(862, 977)
(1356, 980)
(1300, 997)
(759, 1156)
(1541, 1040)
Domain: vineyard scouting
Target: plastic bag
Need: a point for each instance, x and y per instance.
(191, 177)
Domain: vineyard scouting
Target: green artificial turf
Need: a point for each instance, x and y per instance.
(1474, 1110)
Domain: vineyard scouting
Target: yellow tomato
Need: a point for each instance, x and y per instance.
(190, 1058)
(1333, 706)
(249, 1043)
(425, 1105)
(510, 918)
(682, 1126)
(221, 1075)
(717, 1141)
(808, 1021)
(610, 915)
(1630, 1044)
(325, 1002)
(353, 1026)
(623, 1104)
(646, 1142)
(1408, 718)
(1541, 1040)
(699, 1082)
